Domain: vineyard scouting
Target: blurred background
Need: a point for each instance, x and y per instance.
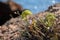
(35, 5)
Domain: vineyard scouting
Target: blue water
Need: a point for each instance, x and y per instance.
(36, 5)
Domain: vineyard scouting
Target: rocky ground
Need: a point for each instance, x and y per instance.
(18, 29)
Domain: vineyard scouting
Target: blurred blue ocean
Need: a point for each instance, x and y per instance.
(36, 5)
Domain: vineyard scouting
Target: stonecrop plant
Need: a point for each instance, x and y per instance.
(49, 19)
(25, 13)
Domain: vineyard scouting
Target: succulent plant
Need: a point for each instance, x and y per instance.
(25, 13)
(49, 19)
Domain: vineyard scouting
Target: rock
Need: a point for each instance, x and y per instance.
(15, 27)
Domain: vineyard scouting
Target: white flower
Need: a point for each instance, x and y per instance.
(30, 21)
(48, 27)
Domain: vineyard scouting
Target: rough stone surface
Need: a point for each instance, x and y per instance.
(13, 28)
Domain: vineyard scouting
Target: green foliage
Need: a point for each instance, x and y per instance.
(49, 20)
(25, 13)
